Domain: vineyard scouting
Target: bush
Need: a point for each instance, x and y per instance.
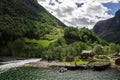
(102, 57)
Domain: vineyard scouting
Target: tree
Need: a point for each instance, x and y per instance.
(99, 50)
(83, 34)
(71, 33)
(61, 41)
(113, 48)
(18, 47)
(106, 50)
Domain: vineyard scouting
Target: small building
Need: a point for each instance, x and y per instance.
(117, 61)
(69, 58)
(86, 54)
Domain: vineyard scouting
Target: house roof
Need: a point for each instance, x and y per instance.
(87, 51)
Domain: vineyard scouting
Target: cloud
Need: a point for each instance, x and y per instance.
(79, 13)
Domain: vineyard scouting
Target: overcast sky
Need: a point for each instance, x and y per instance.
(81, 13)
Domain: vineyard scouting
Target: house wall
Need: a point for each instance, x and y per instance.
(69, 58)
(117, 61)
(86, 56)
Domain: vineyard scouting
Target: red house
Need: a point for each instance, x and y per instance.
(86, 54)
(69, 58)
(117, 61)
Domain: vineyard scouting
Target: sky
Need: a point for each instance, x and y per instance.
(81, 13)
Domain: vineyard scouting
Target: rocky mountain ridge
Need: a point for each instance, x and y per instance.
(109, 29)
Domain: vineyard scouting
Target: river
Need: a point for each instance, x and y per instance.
(15, 63)
(30, 73)
(14, 71)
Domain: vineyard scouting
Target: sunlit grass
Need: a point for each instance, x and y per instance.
(52, 37)
(79, 62)
(43, 43)
(113, 63)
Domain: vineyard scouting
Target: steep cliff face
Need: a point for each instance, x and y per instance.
(109, 29)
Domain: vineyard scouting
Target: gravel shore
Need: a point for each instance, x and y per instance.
(46, 64)
(57, 64)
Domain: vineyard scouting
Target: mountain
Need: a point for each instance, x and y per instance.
(24, 18)
(109, 29)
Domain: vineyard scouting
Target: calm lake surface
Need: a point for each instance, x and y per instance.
(27, 73)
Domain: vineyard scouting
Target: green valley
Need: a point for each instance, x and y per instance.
(28, 30)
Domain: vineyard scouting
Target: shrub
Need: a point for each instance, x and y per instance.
(102, 57)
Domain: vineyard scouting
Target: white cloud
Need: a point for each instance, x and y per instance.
(87, 15)
(106, 1)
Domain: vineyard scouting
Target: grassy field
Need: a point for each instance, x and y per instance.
(55, 34)
(52, 37)
(43, 43)
(49, 38)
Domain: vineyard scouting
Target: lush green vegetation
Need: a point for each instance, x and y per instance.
(79, 62)
(27, 23)
(83, 35)
(24, 18)
(43, 43)
(28, 30)
(61, 46)
(73, 44)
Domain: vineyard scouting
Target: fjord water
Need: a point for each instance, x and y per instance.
(29, 73)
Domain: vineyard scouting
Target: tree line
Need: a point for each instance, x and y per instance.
(69, 44)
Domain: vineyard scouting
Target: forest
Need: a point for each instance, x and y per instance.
(28, 30)
(58, 44)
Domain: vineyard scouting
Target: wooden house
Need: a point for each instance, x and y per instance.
(117, 61)
(86, 54)
(69, 58)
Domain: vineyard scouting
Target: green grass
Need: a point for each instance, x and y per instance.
(55, 34)
(79, 62)
(52, 37)
(113, 63)
(48, 38)
(43, 43)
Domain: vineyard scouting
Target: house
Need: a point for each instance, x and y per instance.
(117, 61)
(69, 58)
(86, 54)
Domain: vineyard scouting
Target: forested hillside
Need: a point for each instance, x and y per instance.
(28, 30)
(24, 18)
(21, 19)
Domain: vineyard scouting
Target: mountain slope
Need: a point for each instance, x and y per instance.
(24, 18)
(109, 29)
